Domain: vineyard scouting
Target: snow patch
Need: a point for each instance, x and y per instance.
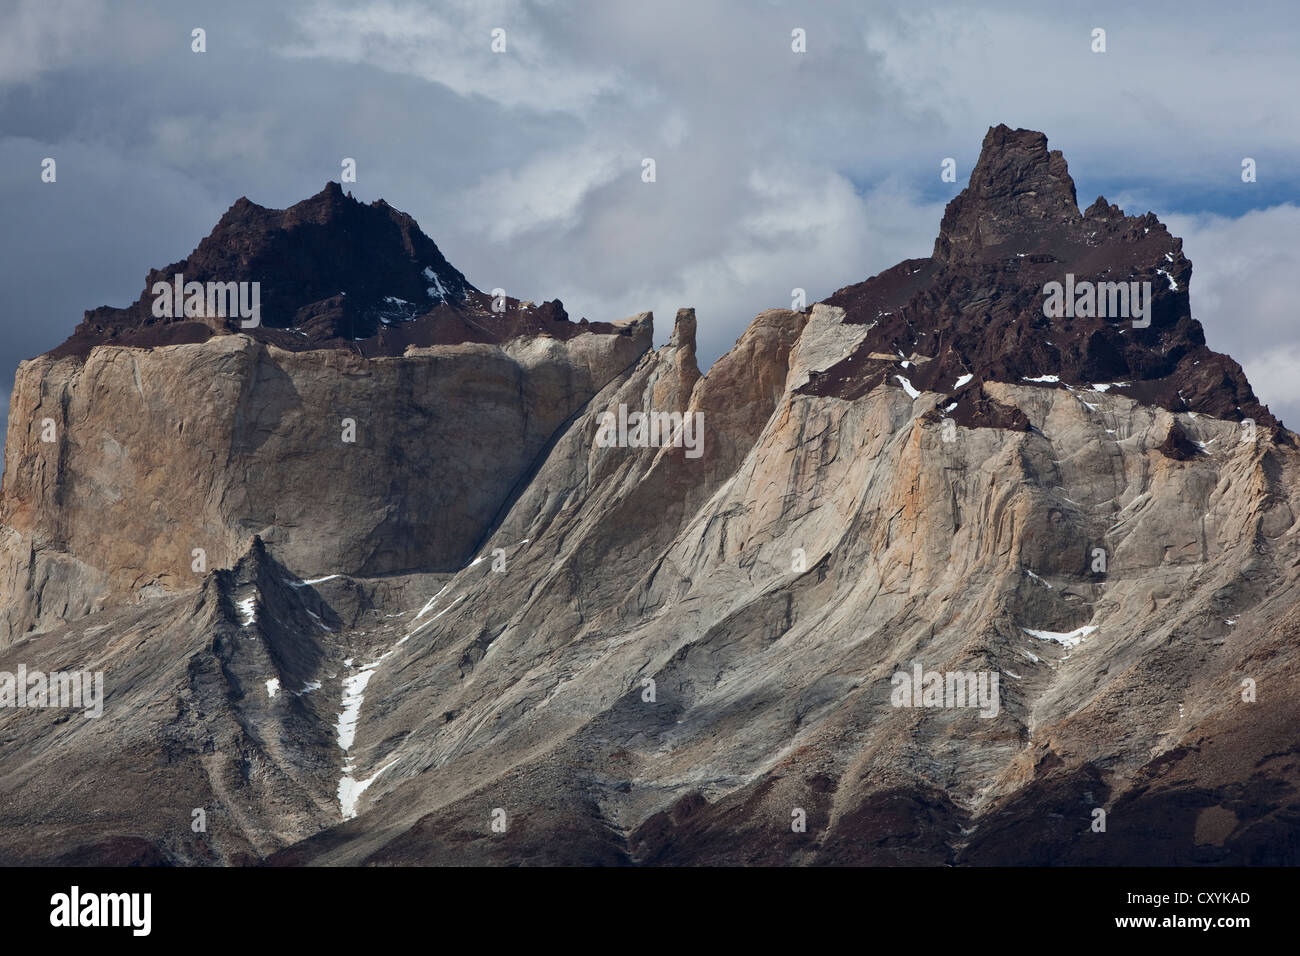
(435, 291)
(425, 610)
(328, 577)
(907, 387)
(1038, 579)
(316, 617)
(350, 790)
(962, 380)
(432, 619)
(1071, 639)
(247, 610)
(273, 687)
(354, 693)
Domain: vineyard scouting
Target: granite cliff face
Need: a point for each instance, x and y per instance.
(144, 440)
(341, 462)
(480, 634)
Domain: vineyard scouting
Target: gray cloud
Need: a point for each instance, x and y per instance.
(775, 170)
(1243, 291)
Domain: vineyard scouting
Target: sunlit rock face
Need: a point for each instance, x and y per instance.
(484, 633)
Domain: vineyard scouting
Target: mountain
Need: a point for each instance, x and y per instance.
(974, 310)
(487, 632)
(332, 272)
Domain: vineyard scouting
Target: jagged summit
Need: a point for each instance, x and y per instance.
(974, 311)
(1016, 187)
(332, 272)
(351, 607)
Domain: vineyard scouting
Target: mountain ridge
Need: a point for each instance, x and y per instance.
(976, 306)
(479, 635)
(334, 273)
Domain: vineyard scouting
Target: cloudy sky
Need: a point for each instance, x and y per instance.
(775, 169)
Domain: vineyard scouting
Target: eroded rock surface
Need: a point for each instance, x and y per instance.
(515, 644)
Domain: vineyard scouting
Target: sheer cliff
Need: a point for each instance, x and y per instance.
(482, 633)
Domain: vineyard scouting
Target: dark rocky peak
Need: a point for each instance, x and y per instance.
(326, 245)
(975, 310)
(330, 272)
(1017, 189)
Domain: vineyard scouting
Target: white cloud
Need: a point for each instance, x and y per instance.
(1209, 86)
(41, 35)
(1243, 291)
(775, 169)
(546, 192)
(451, 44)
(1274, 377)
(802, 228)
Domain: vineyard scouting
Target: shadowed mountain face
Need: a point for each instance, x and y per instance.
(332, 272)
(927, 576)
(974, 311)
